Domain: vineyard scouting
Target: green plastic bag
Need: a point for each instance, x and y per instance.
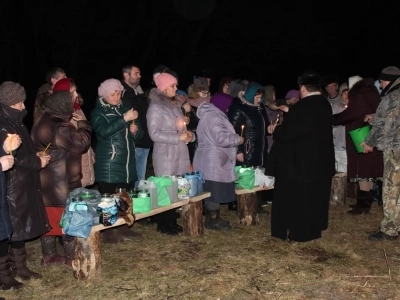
(246, 177)
(141, 205)
(162, 193)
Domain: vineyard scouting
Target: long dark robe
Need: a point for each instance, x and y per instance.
(303, 165)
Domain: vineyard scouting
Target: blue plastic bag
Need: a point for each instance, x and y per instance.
(196, 181)
(77, 219)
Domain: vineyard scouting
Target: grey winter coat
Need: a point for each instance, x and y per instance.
(217, 145)
(165, 123)
(384, 133)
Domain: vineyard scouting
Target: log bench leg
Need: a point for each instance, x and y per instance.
(87, 261)
(339, 189)
(192, 215)
(247, 209)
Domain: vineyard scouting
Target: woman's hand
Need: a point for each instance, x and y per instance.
(284, 108)
(240, 157)
(131, 115)
(44, 159)
(186, 119)
(133, 128)
(271, 128)
(369, 118)
(12, 142)
(187, 107)
(6, 161)
(77, 117)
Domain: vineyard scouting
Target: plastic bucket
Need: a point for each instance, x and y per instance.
(358, 136)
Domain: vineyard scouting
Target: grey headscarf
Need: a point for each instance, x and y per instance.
(11, 93)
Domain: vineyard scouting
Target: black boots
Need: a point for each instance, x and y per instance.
(364, 202)
(49, 250)
(214, 221)
(18, 264)
(7, 280)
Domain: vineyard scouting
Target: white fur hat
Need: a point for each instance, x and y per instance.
(353, 80)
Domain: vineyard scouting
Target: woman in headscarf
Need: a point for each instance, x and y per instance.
(24, 196)
(165, 122)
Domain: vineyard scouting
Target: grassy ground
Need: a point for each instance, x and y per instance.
(245, 263)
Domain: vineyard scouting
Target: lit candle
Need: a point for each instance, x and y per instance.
(184, 125)
(241, 134)
(277, 119)
(10, 149)
(44, 151)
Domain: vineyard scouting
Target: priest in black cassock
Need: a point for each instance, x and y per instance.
(304, 163)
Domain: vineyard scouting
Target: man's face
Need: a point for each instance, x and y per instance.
(332, 89)
(384, 84)
(133, 78)
(57, 77)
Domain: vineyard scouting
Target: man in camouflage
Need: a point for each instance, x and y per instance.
(385, 137)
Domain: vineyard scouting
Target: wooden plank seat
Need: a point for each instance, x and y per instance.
(87, 260)
(247, 209)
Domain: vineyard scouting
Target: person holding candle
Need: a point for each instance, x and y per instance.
(247, 110)
(215, 157)
(165, 122)
(54, 134)
(24, 196)
(116, 134)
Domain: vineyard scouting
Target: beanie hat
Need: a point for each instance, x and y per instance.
(180, 92)
(60, 102)
(11, 93)
(328, 79)
(200, 84)
(164, 80)
(292, 94)
(309, 77)
(163, 69)
(109, 86)
(63, 85)
(390, 73)
(343, 87)
(353, 80)
(222, 101)
(251, 92)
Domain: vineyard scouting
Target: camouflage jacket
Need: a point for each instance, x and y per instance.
(384, 134)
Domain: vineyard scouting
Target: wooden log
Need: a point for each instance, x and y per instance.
(247, 209)
(87, 261)
(339, 189)
(192, 217)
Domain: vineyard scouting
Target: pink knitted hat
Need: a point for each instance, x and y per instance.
(109, 86)
(164, 80)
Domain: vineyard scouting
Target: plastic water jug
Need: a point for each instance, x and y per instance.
(173, 190)
(152, 188)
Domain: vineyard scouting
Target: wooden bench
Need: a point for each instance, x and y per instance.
(247, 208)
(87, 260)
(339, 189)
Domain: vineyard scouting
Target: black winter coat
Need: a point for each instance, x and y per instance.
(255, 121)
(5, 221)
(27, 211)
(139, 103)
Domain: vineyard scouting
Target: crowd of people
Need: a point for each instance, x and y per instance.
(302, 140)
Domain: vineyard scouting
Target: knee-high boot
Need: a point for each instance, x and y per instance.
(7, 280)
(69, 249)
(49, 250)
(18, 264)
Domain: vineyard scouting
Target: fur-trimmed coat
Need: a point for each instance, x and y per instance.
(165, 123)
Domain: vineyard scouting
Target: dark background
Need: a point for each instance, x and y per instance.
(271, 42)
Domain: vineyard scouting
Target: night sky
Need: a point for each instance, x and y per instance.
(271, 42)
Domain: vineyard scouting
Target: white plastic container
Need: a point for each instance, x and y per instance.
(152, 188)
